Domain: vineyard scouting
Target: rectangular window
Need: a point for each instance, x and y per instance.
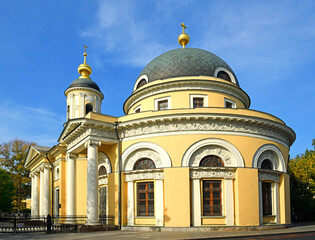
(163, 105)
(212, 205)
(197, 102)
(229, 103)
(145, 199)
(267, 198)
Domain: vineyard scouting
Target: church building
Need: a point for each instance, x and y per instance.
(187, 153)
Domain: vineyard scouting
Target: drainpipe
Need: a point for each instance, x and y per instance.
(119, 174)
(52, 185)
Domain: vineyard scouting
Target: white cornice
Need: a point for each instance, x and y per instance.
(187, 84)
(202, 123)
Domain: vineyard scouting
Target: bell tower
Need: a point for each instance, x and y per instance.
(83, 95)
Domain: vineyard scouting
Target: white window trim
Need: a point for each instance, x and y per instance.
(162, 99)
(205, 99)
(227, 71)
(136, 108)
(145, 77)
(55, 175)
(229, 101)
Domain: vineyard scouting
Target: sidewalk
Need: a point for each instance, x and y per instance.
(300, 228)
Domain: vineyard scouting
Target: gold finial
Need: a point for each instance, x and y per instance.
(183, 39)
(84, 69)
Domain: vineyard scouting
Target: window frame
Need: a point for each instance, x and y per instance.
(147, 214)
(226, 100)
(219, 69)
(138, 108)
(192, 96)
(203, 198)
(156, 103)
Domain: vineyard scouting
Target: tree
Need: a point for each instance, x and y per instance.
(302, 173)
(6, 191)
(12, 158)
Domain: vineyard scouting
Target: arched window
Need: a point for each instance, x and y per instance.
(266, 164)
(211, 161)
(88, 108)
(102, 171)
(141, 83)
(144, 163)
(224, 75)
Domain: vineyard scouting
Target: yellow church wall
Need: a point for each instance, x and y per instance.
(111, 152)
(214, 110)
(213, 221)
(145, 221)
(246, 197)
(181, 99)
(81, 186)
(284, 197)
(177, 197)
(101, 117)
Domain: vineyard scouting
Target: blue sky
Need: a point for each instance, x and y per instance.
(268, 44)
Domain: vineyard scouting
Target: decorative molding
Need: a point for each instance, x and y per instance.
(198, 173)
(145, 149)
(268, 176)
(102, 180)
(154, 174)
(208, 122)
(271, 152)
(212, 146)
(187, 85)
(104, 161)
(71, 156)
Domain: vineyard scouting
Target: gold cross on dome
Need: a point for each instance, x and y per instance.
(85, 48)
(183, 25)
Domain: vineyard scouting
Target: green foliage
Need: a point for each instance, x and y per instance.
(12, 158)
(302, 172)
(6, 191)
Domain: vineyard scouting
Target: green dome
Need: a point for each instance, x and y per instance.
(184, 62)
(85, 83)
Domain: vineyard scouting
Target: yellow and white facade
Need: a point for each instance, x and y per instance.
(188, 153)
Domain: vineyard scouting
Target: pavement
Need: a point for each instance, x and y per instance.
(295, 229)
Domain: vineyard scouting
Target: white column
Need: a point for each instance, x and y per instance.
(92, 183)
(41, 194)
(82, 114)
(46, 196)
(70, 185)
(35, 196)
(159, 202)
(130, 204)
(196, 203)
(32, 193)
(71, 107)
(229, 202)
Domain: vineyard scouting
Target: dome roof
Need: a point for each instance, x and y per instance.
(85, 83)
(183, 62)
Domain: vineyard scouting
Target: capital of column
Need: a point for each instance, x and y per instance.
(71, 155)
(93, 143)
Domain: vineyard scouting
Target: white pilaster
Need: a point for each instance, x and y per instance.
(46, 196)
(92, 182)
(71, 106)
(159, 202)
(41, 195)
(196, 203)
(70, 185)
(276, 201)
(82, 114)
(229, 202)
(130, 204)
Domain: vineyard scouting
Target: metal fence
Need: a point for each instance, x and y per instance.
(25, 224)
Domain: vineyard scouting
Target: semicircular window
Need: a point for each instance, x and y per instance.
(224, 75)
(102, 171)
(144, 163)
(211, 161)
(266, 164)
(141, 83)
